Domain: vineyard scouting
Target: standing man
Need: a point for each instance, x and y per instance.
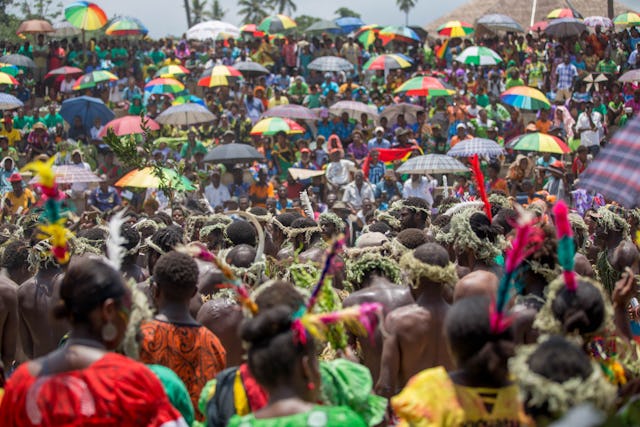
(589, 128)
(566, 74)
(419, 186)
(358, 190)
(216, 193)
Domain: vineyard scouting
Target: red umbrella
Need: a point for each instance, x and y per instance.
(61, 72)
(128, 125)
(539, 26)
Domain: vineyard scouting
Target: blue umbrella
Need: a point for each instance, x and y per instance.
(349, 24)
(9, 102)
(88, 109)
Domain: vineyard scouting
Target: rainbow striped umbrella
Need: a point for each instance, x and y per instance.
(478, 55)
(398, 32)
(525, 97)
(560, 13)
(221, 70)
(164, 85)
(367, 34)
(171, 71)
(214, 81)
(7, 79)
(277, 24)
(9, 69)
(424, 86)
(186, 99)
(627, 19)
(455, 29)
(540, 142)
(126, 26)
(274, 125)
(147, 178)
(93, 79)
(388, 62)
(85, 15)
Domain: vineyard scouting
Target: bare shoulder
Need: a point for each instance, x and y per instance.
(27, 289)
(407, 318)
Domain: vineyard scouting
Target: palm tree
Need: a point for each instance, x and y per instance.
(406, 6)
(251, 11)
(197, 10)
(187, 9)
(216, 11)
(345, 12)
(280, 6)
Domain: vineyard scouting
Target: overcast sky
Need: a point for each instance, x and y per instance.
(167, 17)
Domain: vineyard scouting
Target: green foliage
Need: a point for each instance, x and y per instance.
(41, 9)
(305, 21)
(406, 6)
(345, 12)
(216, 12)
(280, 6)
(197, 10)
(251, 11)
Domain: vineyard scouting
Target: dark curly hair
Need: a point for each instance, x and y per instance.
(582, 311)
(482, 227)
(241, 232)
(176, 275)
(411, 238)
(15, 255)
(168, 238)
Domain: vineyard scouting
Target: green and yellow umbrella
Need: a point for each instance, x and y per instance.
(387, 62)
(164, 85)
(9, 69)
(564, 12)
(526, 98)
(367, 34)
(126, 26)
(93, 79)
(627, 19)
(539, 142)
(171, 71)
(85, 15)
(455, 29)
(276, 24)
(7, 79)
(274, 125)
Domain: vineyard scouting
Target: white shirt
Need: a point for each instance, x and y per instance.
(67, 86)
(216, 196)
(94, 131)
(338, 172)
(353, 196)
(80, 186)
(422, 189)
(588, 137)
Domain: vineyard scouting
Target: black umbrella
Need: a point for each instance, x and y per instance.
(250, 69)
(233, 153)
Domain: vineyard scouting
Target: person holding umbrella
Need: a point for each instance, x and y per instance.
(191, 147)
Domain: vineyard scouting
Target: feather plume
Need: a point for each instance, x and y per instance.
(362, 319)
(445, 186)
(306, 204)
(566, 245)
(333, 250)
(479, 178)
(115, 242)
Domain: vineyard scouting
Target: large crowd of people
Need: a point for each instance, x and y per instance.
(320, 286)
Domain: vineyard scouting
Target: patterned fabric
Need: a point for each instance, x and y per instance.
(114, 391)
(192, 352)
(566, 75)
(319, 416)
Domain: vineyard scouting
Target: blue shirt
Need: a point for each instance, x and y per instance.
(373, 143)
(104, 201)
(326, 129)
(343, 130)
(376, 172)
(390, 189)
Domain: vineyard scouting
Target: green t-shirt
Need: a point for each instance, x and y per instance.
(157, 56)
(119, 56)
(198, 148)
(51, 120)
(319, 416)
(514, 82)
(21, 123)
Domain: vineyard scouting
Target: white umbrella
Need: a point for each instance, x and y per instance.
(212, 30)
(354, 109)
(478, 55)
(330, 63)
(409, 111)
(65, 29)
(432, 163)
(185, 114)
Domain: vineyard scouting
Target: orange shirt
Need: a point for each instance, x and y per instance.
(500, 184)
(259, 193)
(543, 127)
(455, 139)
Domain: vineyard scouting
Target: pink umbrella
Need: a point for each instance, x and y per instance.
(128, 125)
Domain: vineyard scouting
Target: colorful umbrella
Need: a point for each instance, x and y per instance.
(9, 69)
(221, 70)
(18, 60)
(93, 79)
(368, 34)
(614, 172)
(455, 29)
(147, 178)
(87, 108)
(277, 24)
(214, 81)
(594, 21)
(128, 125)
(85, 15)
(71, 174)
(630, 76)
(185, 99)
(628, 19)
(63, 71)
(164, 85)
(400, 33)
(211, 30)
(349, 24)
(35, 26)
(273, 125)
(479, 146)
(251, 29)
(478, 55)
(354, 109)
(432, 163)
(291, 111)
(185, 115)
(387, 62)
(540, 142)
(126, 26)
(9, 102)
(539, 26)
(560, 13)
(233, 153)
(565, 27)
(171, 71)
(330, 63)
(424, 86)
(499, 22)
(250, 69)
(525, 97)
(7, 79)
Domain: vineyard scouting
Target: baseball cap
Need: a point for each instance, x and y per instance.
(461, 126)
(379, 129)
(15, 177)
(305, 150)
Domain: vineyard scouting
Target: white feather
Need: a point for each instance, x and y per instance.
(115, 241)
(306, 204)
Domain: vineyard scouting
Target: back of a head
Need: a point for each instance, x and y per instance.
(482, 227)
(241, 232)
(131, 237)
(411, 238)
(241, 256)
(380, 227)
(303, 223)
(559, 360)
(279, 293)
(419, 203)
(505, 218)
(166, 239)
(15, 255)
(258, 211)
(432, 254)
(582, 311)
(176, 275)
(286, 218)
(87, 283)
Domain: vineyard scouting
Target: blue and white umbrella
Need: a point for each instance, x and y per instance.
(88, 109)
(9, 102)
(330, 63)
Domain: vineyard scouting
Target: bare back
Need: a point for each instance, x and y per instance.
(8, 321)
(223, 318)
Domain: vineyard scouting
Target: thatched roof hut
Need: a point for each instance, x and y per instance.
(520, 10)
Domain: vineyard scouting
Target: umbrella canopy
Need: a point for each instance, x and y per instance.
(93, 79)
(627, 19)
(390, 61)
(455, 29)
(87, 108)
(354, 109)
(349, 23)
(164, 85)
(367, 34)
(479, 55)
(169, 71)
(7, 79)
(184, 99)
(250, 69)
(277, 24)
(185, 115)
(251, 29)
(128, 125)
(233, 153)
(560, 13)
(9, 102)
(18, 60)
(594, 21)
(399, 32)
(274, 125)
(539, 26)
(630, 76)
(540, 142)
(499, 22)
(126, 26)
(614, 171)
(34, 26)
(211, 30)
(9, 69)
(146, 178)
(213, 81)
(85, 15)
(409, 111)
(71, 174)
(479, 146)
(63, 71)
(65, 29)
(432, 163)
(565, 27)
(323, 25)
(221, 70)
(330, 63)
(424, 86)
(291, 111)
(525, 97)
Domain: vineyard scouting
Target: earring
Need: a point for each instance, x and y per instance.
(109, 332)
(311, 386)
